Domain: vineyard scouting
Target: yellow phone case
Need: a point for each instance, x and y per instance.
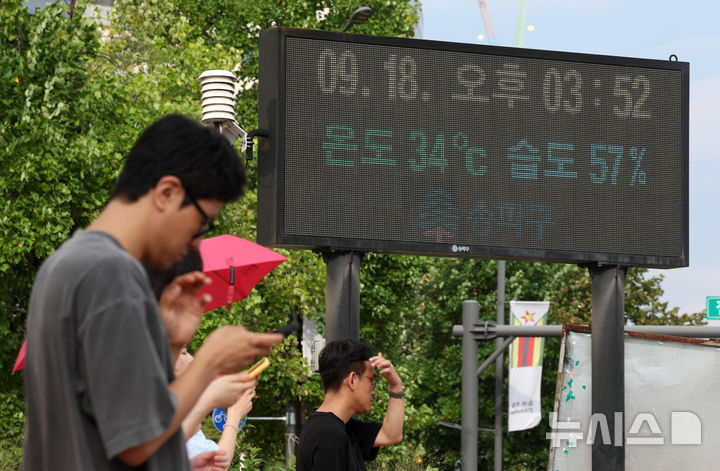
(258, 367)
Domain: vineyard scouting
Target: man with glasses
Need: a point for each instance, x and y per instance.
(99, 383)
(209, 222)
(332, 439)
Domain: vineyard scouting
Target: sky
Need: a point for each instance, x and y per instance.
(628, 28)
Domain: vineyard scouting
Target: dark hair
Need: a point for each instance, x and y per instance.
(341, 357)
(205, 162)
(160, 279)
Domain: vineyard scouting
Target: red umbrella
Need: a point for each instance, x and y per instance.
(20, 361)
(235, 266)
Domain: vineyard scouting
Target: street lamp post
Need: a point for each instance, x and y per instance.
(342, 268)
(359, 16)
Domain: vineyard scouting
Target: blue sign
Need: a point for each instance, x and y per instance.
(219, 418)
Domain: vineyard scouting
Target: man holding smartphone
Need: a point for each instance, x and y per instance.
(331, 438)
(99, 383)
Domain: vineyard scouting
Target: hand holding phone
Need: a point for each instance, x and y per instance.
(263, 363)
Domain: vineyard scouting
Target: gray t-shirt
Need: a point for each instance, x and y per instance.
(98, 362)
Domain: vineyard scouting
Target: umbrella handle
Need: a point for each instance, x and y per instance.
(231, 286)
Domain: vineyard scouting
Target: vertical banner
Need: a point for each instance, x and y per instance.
(526, 356)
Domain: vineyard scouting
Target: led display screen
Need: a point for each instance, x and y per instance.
(433, 148)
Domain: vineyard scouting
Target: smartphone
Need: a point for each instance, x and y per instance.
(287, 328)
(258, 367)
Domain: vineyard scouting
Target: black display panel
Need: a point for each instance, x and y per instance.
(435, 148)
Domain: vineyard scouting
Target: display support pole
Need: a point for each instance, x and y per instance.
(469, 429)
(608, 364)
(342, 295)
(499, 368)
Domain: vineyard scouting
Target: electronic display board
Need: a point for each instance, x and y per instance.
(435, 148)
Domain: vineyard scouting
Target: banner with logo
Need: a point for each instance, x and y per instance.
(526, 356)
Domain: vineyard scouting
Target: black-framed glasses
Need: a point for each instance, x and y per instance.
(209, 223)
(373, 381)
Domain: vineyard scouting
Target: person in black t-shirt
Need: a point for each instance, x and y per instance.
(331, 440)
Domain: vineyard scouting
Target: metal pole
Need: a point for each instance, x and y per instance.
(499, 368)
(482, 333)
(342, 295)
(469, 434)
(493, 356)
(608, 363)
(291, 430)
(279, 419)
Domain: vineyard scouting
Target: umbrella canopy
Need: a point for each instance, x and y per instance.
(235, 266)
(20, 361)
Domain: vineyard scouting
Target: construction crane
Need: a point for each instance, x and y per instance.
(519, 29)
(486, 22)
(522, 21)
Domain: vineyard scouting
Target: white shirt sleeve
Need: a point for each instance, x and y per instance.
(198, 443)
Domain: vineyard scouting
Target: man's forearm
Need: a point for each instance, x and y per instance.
(392, 427)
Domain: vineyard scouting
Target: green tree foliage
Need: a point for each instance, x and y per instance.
(55, 167)
(75, 93)
(408, 308)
